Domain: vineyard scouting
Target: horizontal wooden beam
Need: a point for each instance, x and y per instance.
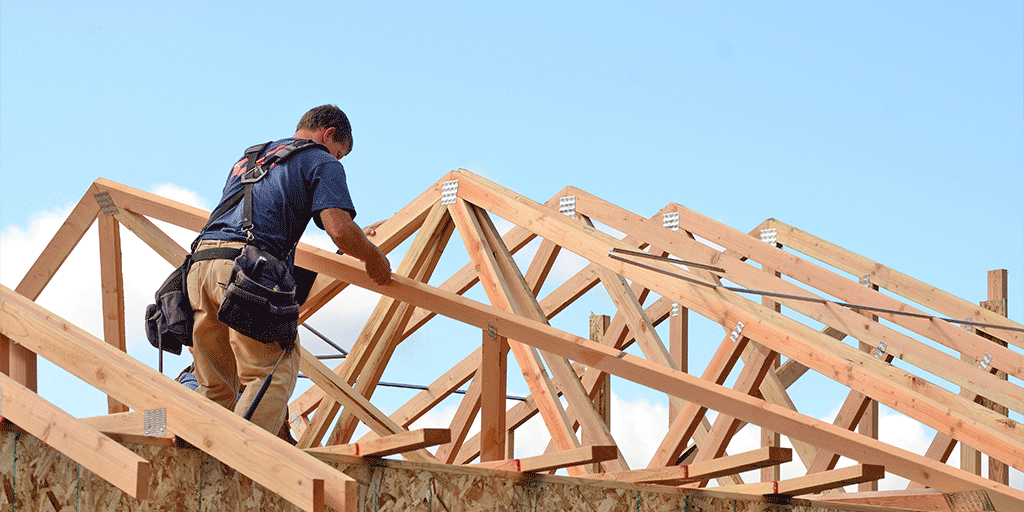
(812, 483)
(722, 466)
(555, 460)
(384, 446)
(93, 450)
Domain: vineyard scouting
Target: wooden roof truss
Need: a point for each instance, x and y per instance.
(891, 314)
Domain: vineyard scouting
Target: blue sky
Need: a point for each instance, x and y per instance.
(894, 129)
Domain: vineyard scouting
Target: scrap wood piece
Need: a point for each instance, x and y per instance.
(341, 392)
(383, 446)
(86, 445)
(816, 482)
(555, 460)
(683, 474)
(252, 451)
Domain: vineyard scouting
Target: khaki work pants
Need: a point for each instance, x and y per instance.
(227, 362)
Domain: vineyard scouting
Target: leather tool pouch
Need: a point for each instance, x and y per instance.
(260, 298)
(169, 320)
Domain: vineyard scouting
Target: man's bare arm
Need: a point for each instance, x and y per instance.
(351, 240)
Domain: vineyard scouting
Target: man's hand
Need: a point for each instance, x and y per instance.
(371, 230)
(379, 269)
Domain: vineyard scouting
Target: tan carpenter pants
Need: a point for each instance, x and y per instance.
(226, 362)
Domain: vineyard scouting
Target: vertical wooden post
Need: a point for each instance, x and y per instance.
(868, 425)
(997, 302)
(112, 292)
(603, 394)
(679, 348)
(768, 437)
(493, 372)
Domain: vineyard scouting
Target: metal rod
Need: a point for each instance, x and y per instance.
(612, 255)
(424, 388)
(321, 336)
(668, 259)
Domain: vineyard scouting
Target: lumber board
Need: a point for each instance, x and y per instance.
(896, 282)
(692, 414)
(21, 362)
(60, 246)
(781, 333)
(384, 446)
(112, 292)
(556, 460)
(639, 325)
(130, 422)
(423, 257)
(679, 349)
(436, 391)
(813, 483)
(109, 460)
(749, 380)
(128, 427)
(498, 268)
(769, 456)
(342, 393)
(493, 375)
(270, 461)
(581, 409)
(850, 414)
(465, 415)
(153, 236)
(372, 350)
(497, 290)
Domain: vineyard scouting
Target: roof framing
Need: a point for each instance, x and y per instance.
(565, 373)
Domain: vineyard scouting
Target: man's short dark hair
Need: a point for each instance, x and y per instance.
(328, 116)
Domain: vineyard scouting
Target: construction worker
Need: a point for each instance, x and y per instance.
(308, 185)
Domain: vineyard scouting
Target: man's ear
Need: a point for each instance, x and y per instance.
(329, 134)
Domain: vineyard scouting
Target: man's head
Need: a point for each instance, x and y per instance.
(328, 125)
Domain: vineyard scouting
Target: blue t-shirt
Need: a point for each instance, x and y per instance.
(285, 199)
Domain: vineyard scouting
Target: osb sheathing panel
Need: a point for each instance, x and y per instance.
(187, 480)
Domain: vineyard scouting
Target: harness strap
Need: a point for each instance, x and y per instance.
(255, 170)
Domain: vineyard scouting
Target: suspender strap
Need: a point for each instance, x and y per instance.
(253, 172)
